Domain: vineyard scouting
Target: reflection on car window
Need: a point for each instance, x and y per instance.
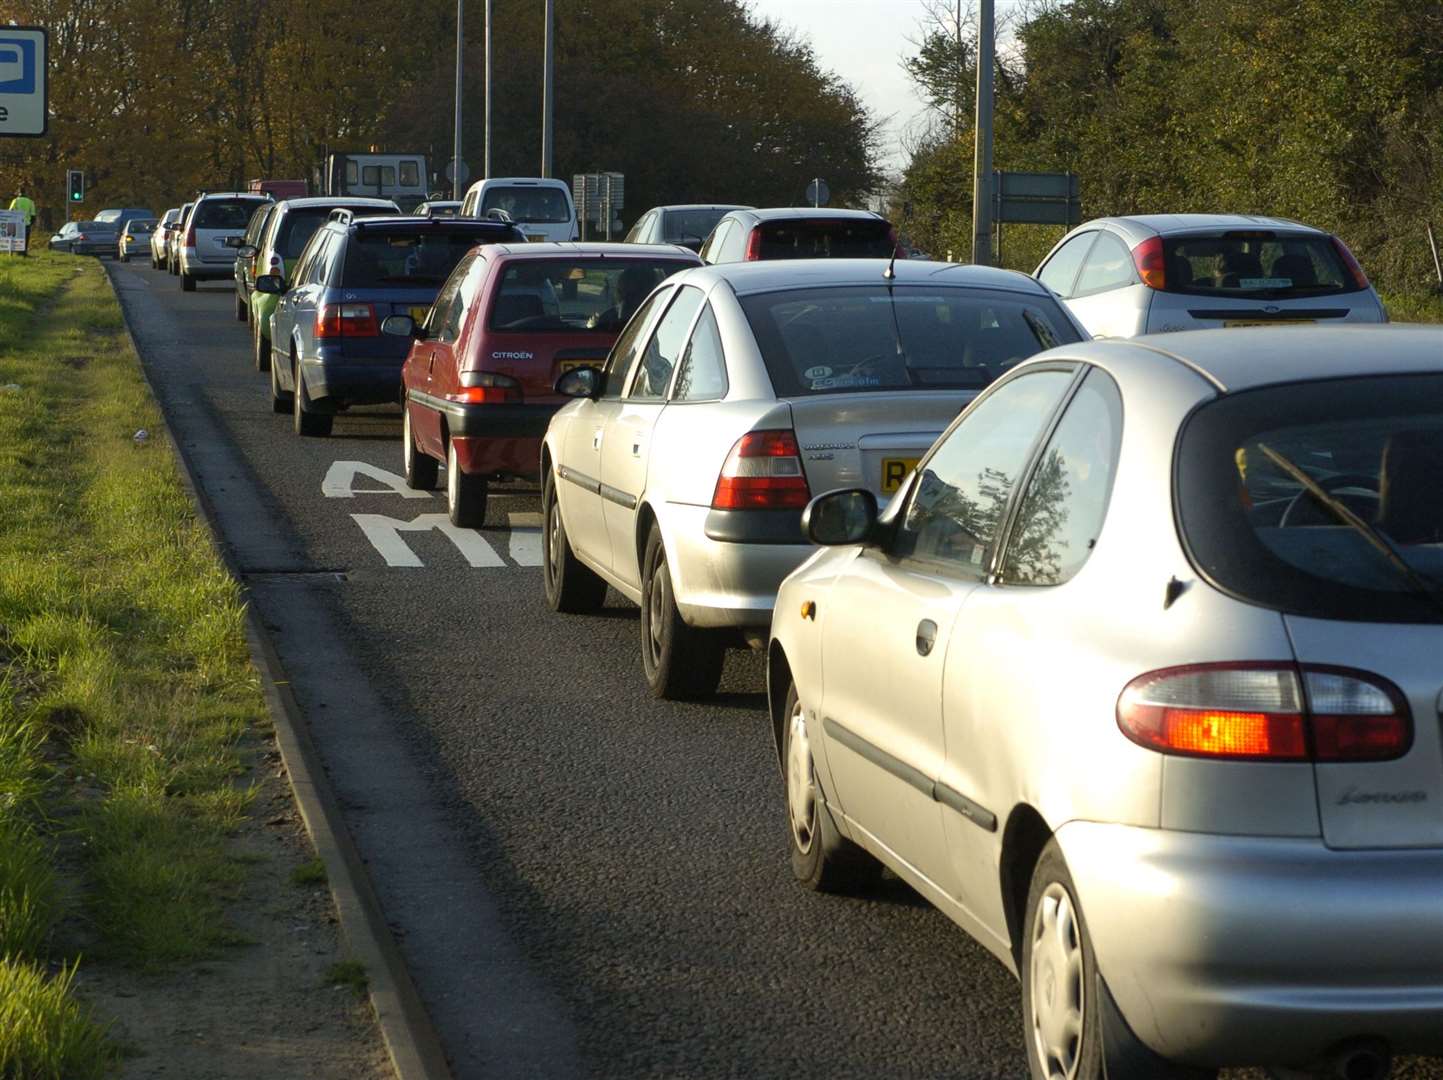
(657, 361)
(1066, 499)
(958, 501)
(1061, 270)
(625, 349)
(439, 319)
(566, 295)
(703, 375)
(1108, 266)
(536, 205)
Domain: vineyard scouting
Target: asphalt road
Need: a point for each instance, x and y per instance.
(585, 882)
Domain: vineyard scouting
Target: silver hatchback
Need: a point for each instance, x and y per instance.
(1138, 680)
(1157, 273)
(735, 393)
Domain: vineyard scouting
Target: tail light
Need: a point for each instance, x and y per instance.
(1360, 279)
(277, 265)
(346, 320)
(1151, 263)
(1266, 712)
(190, 235)
(487, 388)
(754, 246)
(762, 472)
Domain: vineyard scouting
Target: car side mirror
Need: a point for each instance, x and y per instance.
(582, 382)
(402, 326)
(247, 251)
(273, 284)
(836, 518)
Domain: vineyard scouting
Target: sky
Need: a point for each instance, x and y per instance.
(864, 41)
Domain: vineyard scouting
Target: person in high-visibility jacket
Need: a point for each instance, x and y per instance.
(23, 203)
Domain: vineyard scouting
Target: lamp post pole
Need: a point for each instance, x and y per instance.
(982, 155)
(548, 90)
(456, 137)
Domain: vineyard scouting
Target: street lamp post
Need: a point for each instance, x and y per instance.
(548, 93)
(456, 136)
(982, 154)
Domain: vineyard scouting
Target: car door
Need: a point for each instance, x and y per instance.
(889, 628)
(443, 327)
(1024, 620)
(1109, 298)
(283, 318)
(579, 492)
(626, 440)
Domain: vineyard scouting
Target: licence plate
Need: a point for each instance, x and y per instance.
(535, 238)
(1269, 322)
(894, 471)
(418, 315)
(571, 365)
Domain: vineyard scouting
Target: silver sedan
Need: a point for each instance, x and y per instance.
(735, 393)
(1138, 680)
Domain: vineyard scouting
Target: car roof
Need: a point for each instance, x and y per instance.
(593, 249)
(259, 197)
(1243, 358)
(420, 221)
(337, 201)
(777, 274)
(811, 213)
(1143, 225)
(701, 206)
(540, 181)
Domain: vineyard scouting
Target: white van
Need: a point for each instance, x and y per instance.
(541, 208)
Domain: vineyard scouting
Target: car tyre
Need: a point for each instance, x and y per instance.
(240, 308)
(281, 400)
(420, 468)
(305, 422)
(571, 587)
(261, 351)
(823, 859)
(465, 494)
(125, 258)
(187, 283)
(681, 662)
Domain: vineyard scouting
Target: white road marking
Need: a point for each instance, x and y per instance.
(384, 533)
(341, 477)
(525, 547)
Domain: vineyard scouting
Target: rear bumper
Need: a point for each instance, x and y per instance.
(727, 566)
(1228, 950)
(192, 266)
(492, 439)
(331, 383)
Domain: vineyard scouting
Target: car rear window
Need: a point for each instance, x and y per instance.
(300, 223)
(108, 215)
(1259, 264)
(571, 295)
(870, 337)
(382, 258)
(1373, 447)
(835, 238)
(134, 227)
(694, 226)
(225, 213)
(537, 205)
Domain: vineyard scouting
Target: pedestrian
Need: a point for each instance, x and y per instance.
(23, 203)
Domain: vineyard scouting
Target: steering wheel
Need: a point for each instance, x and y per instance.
(1330, 484)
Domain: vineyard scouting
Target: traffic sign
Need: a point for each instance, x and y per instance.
(818, 194)
(1037, 198)
(453, 167)
(24, 88)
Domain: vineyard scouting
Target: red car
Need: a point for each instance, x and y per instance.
(478, 388)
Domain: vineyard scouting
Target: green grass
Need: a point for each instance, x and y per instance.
(125, 684)
(351, 973)
(1414, 307)
(45, 1033)
(309, 873)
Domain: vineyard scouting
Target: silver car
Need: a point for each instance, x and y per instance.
(214, 228)
(734, 394)
(175, 234)
(160, 235)
(1138, 680)
(1124, 276)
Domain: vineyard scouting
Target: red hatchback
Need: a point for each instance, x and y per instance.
(478, 388)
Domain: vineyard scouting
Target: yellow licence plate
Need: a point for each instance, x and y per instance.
(571, 365)
(1268, 322)
(418, 315)
(894, 471)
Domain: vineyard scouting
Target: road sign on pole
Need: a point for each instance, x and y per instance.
(818, 194)
(24, 85)
(1037, 198)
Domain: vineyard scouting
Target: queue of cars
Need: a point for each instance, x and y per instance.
(1121, 648)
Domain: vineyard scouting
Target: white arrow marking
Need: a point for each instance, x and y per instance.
(384, 533)
(341, 477)
(525, 537)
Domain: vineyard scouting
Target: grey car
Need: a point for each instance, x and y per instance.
(1151, 274)
(1138, 680)
(160, 236)
(134, 236)
(175, 234)
(800, 233)
(85, 238)
(213, 229)
(735, 393)
(688, 225)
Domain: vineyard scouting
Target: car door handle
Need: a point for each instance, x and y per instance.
(926, 637)
(430, 361)
(636, 449)
(596, 439)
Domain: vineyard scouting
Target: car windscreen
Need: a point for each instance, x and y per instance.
(871, 337)
(382, 258)
(683, 226)
(1320, 498)
(571, 295)
(225, 213)
(826, 238)
(109, 215)
(1255, 263)
(538, 205)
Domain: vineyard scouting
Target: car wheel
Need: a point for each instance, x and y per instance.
(240, 308)
(187, 283)
(465, 494)
(822, 858)
(680, 661)
(305, 422)
(280, 399)
(420, 467)
(261, 350)
(571, 587)
(125, 258)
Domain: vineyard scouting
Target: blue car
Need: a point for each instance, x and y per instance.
(327, 349)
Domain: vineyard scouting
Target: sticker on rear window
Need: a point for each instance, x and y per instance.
(1265, 283)
(821, 371)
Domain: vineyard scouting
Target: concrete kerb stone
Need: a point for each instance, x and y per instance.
(411, 1041)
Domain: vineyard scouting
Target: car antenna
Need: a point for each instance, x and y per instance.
(890, 273)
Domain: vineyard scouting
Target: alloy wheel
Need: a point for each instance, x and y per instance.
(1057, 984)
(801, 782)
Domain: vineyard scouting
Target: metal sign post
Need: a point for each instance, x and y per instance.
(24, 81)
(456, 178)
(486, 158)
(982, 151)
(548, 90)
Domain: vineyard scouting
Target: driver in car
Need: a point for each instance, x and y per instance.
(635, 286)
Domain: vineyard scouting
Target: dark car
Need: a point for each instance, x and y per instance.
(800, 233)
(117, 216)
(245, 259)
(86, 238)
(479, 385)
(686, 225)
(327, 350)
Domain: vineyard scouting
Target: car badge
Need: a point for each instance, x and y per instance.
(1272, 309)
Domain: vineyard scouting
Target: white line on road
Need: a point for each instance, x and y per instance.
(384, 533)
(341, 478)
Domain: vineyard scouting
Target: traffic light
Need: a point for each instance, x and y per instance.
(75, 183)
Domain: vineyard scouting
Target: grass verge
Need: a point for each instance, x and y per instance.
(125, 684)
